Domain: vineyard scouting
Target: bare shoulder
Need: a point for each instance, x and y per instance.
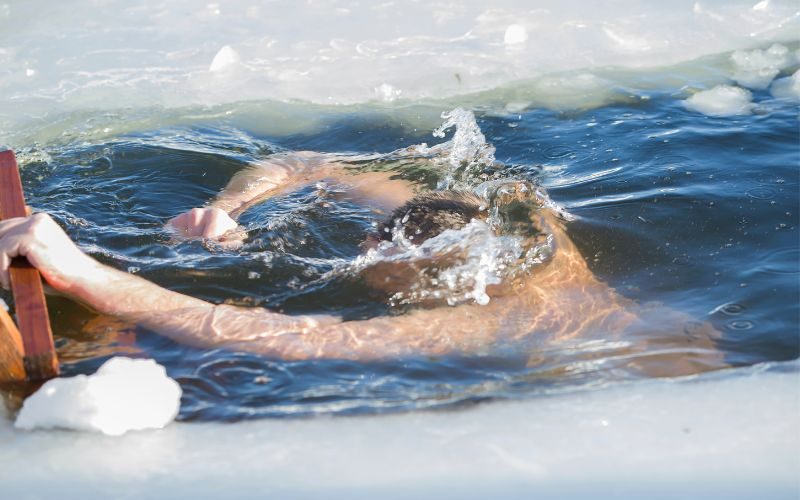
(381, 190)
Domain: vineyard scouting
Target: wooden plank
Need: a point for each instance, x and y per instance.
(12, 368)
(40, 360)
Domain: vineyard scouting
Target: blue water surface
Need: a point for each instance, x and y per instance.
(671, 206)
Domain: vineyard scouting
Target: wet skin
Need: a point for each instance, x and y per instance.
(558, 303)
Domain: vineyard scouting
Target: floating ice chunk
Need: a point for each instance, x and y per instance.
(756, 69)
(788, 87)
(515, 34)
(722, 100)
(225, 58)
(125, 394)
(763, 5)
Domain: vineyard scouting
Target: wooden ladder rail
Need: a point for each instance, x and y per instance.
(12, 367)
(38, 350)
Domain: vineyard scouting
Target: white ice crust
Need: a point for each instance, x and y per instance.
(124, 395)
(757, 68)
(722, 100)
(63, 57)
(729, 435)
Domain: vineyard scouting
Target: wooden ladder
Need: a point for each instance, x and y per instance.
(28, 353)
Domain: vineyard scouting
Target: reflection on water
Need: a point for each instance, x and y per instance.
(699, 214)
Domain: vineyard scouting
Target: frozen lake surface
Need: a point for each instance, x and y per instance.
(660, 439)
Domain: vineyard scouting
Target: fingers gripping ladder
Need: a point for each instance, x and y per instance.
(35, 344)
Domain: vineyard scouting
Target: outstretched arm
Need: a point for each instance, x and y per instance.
(562, 302)
(269, 177)
(247, 187)
(284, 172)
(196, 322)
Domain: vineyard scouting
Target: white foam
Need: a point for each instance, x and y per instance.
(722, 100)
(787, 88)
(756, 69)
(124, 395)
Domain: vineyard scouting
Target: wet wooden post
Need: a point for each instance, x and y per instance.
(39, 354)
(12, 368)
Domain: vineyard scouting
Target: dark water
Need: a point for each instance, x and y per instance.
(698, 213)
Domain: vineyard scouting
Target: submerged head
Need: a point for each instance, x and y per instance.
(507, 210)
(428, 215)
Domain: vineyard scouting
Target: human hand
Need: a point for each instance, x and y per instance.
(47, 247)
(210, 223)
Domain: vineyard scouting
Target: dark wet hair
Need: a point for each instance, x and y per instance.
(429, 214)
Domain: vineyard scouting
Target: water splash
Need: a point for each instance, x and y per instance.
(453, 267)
(460, 265)
(463, 158)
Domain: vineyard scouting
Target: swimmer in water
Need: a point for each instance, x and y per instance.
(558, 302)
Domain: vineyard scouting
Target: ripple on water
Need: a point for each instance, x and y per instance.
(558, 152)
(729, 309)
(569, 180)
(784, 261)
(733, 310)
(740, 324)
(672, 162)
(761, 193)
(241, 373)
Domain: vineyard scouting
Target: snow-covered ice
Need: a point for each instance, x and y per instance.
(189, 53)
(731, 435)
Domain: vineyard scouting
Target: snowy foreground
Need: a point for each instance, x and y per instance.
(725, 435)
